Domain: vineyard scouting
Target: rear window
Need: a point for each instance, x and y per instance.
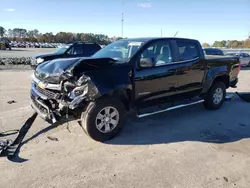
(90, 49)
(213, 52)
(187, 50)
(75, 50)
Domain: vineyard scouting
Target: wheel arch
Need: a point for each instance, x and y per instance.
(223, 77)
(124, 95)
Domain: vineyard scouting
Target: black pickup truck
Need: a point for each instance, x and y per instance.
(146, 75)
(75, 49)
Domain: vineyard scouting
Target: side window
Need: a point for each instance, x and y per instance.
(208, 52)
(187, 50)
(75, 50)
(90, 49)
(219, 52)
(245, 55)
(159, 52)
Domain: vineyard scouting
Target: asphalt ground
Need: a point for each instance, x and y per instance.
(25, 52)
(185, 148)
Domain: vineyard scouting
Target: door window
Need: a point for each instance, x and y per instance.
(245, 55)
(90, 49)
(187, 50)
(75, 50)
(160, 53)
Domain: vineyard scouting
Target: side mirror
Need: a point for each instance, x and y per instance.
(146, 62)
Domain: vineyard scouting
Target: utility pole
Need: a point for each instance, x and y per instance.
(122, 18)
(122, 25)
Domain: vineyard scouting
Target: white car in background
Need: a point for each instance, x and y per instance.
(244, 58)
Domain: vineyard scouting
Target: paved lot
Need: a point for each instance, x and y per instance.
(189, 147)
(25, 52)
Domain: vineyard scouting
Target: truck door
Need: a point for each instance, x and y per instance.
(191, 66)
(159, 80)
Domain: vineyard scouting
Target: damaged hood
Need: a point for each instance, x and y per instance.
(51, 71)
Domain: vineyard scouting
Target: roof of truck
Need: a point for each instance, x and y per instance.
(144, 39)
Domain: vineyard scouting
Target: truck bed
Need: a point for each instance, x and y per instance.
(220, 58)
(226, 63)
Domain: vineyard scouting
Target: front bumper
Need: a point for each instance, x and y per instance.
(39, 105)
(234, 83)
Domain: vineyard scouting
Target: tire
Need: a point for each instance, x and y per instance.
(90, 119)
(248, 64)
(210, 102)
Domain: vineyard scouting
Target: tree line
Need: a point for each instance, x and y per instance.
(229, 44)
(20, 34)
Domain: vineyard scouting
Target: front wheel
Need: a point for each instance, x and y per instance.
(215, 96)
(103, 119)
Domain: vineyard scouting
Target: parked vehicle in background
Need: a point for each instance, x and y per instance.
(213, 51)
(76, 49)
(5, 44)
(131, 75)
(25, 44)
(244, 58)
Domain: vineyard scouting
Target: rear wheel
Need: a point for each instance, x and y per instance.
(103, 119)
(215, 96)
(248, 64)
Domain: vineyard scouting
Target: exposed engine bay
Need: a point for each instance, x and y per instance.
(69, 95)
(63, 92)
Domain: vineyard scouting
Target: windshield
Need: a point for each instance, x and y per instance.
(120, 50)
(61, 50)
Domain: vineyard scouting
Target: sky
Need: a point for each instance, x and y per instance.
(205, 20)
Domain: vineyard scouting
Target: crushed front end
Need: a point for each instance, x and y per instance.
(56, 102)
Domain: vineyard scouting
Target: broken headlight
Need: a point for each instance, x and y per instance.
(78, 91)
(82, 80)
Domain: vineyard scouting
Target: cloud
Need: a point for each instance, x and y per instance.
(144, 5)
(9, 9)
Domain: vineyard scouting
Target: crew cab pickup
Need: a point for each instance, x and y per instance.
(76, 49)
(146, 75)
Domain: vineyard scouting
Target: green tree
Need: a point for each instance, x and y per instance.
(218, 44)
(2, 31)
(246, 43)
(224, 43)
(19, 32)
(234, 44)
(10, 33)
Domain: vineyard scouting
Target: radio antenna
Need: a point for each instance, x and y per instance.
(176, 33)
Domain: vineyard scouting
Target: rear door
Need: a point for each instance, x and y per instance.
(191, 66)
